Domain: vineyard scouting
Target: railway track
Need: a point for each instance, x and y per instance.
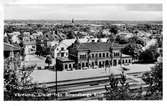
(88, 88)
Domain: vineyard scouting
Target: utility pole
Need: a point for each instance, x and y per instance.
(56, 81)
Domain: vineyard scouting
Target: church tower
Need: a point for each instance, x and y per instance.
(72, 21)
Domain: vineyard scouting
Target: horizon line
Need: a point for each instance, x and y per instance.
(74, 20)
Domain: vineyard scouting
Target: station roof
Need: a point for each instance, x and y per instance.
(98, 46)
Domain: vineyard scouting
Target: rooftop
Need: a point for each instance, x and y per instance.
(9, 47)
(30, 43)
(98, 46)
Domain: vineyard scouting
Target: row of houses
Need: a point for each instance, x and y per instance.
(58, 48)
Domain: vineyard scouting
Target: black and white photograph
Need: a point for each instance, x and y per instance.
(81, 52)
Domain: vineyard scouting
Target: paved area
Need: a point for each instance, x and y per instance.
(39, 60)
(41, 76)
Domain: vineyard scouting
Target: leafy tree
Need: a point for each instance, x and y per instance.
(118, 88)
(15, 80)
(18, 83)
(137, 40)
(70, 35)
(121, 39)
(149, 55)
(100, 34)
(132, 49)
(38, 50)
(114, 29)
(154, 80)
(111, 38)
(48, 60)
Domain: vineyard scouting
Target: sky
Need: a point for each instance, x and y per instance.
(134, 12)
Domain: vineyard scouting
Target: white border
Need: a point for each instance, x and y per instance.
(97, 103)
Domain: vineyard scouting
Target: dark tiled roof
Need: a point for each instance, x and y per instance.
(100, 46)
(9, 47)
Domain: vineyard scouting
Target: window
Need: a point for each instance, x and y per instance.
(62, 54)
(96, 63)
(116, 54)
(66, 66)
(79, 64)
(129, 61)
(86, 64)
(103, 54)
(58, 54)
(119, 62)
(107, 55)
(99, 62)
(99, 54)
(70, 66)
(33, 46)
(96, 55)
(92, 55)
(62, 48)
(92, 63)
(83, 65)
(82, 56)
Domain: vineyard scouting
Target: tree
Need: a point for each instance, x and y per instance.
(100, 34)
(137, 40)
(15, 81)
(154, 80)
(121, 39)
(70, 35)
(38, 50)
(132, 49)
(111, 38)
(114, 29)
(18, 83)
(118, 88)
(149, 55)
(48, 60)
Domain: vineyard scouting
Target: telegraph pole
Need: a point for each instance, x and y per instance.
(56, 81)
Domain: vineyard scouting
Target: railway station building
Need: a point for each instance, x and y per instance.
(93, 55)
